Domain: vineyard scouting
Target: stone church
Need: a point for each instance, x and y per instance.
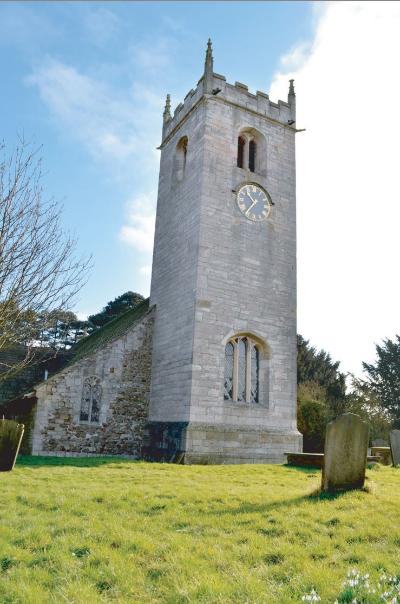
(204, 371)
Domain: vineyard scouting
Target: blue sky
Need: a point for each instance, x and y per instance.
(88, 82)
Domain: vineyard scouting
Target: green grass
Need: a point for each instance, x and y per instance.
(111, 530)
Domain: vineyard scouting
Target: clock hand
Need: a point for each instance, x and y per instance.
(248, 209)
(252, 205)
(248, 195)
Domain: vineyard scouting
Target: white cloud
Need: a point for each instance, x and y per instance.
(23, 27)
(139, 230)
(102, 24)
(296, 57)
(145, 270)
(347, 177)
(153, 55)
(110, 123)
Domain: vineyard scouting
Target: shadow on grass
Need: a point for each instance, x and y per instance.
(249, 508)
(303, 469)
(77, 462)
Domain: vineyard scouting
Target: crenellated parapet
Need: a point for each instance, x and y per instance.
(214, 85)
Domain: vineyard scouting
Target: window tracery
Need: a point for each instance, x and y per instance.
(91, 398)
(242, 360)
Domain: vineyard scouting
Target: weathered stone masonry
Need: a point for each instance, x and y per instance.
(218, 275)
(123, 366)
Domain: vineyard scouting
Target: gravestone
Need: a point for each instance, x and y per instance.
(346, 447)
(384, 454)
(11, 435)
(379, 442)
(395, 446)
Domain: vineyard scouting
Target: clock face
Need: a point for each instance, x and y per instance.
(254, 202)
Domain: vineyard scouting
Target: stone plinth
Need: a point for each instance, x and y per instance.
(238, 444)
(384, 454)
(307, 460)
(346, 448)
(395, 446)
(316, 460)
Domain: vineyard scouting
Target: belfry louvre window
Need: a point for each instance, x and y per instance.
(247, 152)
(180, 158)
(252, 155)
(91, 397)
(240, 152)
(242, 359)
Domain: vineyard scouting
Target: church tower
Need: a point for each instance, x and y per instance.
(223, 384)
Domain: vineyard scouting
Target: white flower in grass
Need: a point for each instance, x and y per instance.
(311, 597)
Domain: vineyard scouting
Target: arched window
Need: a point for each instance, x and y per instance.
(240, 152)
(251, 151)
(252, 155)
(242, 359)
(180, 158)
(91, 397)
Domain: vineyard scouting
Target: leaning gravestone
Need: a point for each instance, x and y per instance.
(395, 446)
(11, 435)
(346, 448)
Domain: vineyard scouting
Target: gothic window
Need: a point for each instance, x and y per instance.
(240, 152)
(91, 397)
(241, 382)
(251, 151)
(228, 382)
(252, 155)
(180, 158)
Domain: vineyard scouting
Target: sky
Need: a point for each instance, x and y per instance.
(87, 82)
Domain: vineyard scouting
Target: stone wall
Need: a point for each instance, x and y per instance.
(227, 276)
(124, 368)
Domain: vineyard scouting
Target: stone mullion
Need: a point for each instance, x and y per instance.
(248, 370)
(90, 405)
(235, 375)
(246, 153)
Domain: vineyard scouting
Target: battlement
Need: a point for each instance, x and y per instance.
(213, 84)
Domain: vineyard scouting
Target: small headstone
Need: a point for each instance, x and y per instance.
(384, 454)
(395, 446)
(11, 435)
(379, 442)
(346, 447)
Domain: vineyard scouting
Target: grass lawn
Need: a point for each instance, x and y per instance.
(110, 530)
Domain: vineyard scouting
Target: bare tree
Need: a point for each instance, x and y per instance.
(39, 269)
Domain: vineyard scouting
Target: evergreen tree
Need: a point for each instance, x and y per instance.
(383, 377)
(60, 329)
(321, 393)
(363, 401)
(115, 308)
(317, 366)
